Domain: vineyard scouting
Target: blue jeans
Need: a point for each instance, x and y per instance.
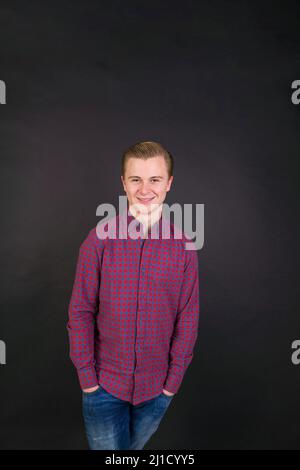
(115, 424)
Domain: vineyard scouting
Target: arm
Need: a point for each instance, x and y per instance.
(186, 325)
(83, 308)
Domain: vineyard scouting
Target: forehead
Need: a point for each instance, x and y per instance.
(154, 166)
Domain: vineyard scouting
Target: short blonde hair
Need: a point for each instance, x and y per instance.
(145, 150)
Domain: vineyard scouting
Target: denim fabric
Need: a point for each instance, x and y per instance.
(115, 424)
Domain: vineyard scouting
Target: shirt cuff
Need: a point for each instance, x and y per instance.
(172, 382)
(87, 377)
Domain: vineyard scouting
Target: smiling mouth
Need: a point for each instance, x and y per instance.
(145, 199)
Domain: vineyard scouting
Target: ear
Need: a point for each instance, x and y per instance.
(123, 181)
(169, 183)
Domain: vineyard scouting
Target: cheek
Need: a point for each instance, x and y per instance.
(162, 192)
(131, 190)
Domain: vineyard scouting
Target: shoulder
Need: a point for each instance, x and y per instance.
(187, 245)
(92, 241)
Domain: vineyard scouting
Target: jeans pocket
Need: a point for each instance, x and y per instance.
(168, 397)
(86, 394)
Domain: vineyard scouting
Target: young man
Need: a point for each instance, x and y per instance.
(134, 310)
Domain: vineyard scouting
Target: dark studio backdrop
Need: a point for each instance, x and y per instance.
(211, 81)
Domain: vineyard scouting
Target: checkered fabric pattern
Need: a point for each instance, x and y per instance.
(134, 310)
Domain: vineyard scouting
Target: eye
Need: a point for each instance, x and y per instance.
(155, 181)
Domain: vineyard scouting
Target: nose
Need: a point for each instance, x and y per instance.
(144, 190)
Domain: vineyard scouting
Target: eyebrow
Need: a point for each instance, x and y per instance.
(160, 177)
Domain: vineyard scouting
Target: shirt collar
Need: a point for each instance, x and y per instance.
(135, 227)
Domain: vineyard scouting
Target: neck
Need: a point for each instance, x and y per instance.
(147, 219)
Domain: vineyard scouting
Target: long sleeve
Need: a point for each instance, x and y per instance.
(82, 310)
(186, 325)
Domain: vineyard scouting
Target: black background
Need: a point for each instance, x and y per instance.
(211, 81)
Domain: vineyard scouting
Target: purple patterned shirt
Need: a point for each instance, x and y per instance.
(134, 311)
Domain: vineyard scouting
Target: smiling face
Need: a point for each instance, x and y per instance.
(146, 183)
